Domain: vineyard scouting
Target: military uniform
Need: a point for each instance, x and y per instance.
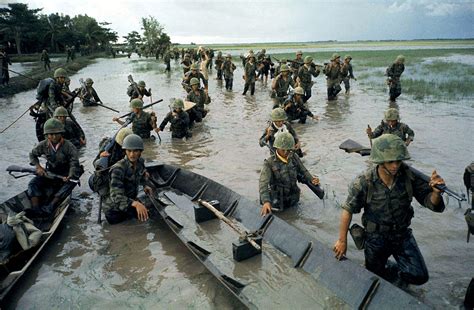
(285, 128)
(55, 99)
(142, 124)
(73, 133)
(394, 72)
(401, 130)
(218, 62)
(4, 73)
(333, 79)
(89, 96)
(347, 74)
(277, 183)
(189, 75)
(61, 160)
(387, 217)
(198, 112)
(295, 66)
(179, 124)
(135, 92)
(304, 75)
(124, 182)
(186, 62)
(46, 61)
(167, 60)
(282, 86)
(228, 69)
(297, 109)
(250, 75)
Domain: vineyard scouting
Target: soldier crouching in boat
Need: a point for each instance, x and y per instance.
(386, 192)
(281, 171)
(62, 160)
(126, 175)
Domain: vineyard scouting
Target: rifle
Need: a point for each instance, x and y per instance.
(28, 171)
(145, 107)
(134, 85)
(316, 189)
(83, 86)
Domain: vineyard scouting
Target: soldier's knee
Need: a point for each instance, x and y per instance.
(418, 277)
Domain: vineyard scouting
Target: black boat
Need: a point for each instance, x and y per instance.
(292, 270)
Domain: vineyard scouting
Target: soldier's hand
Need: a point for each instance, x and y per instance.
(315, 181)
(82, 141)
(114, 119)
(407, 142)
(266, 209)
(315, 117)
(65, 179)
(297, 146)
(148, 190)
(436, 179)
(142, 211)
(40, 171)
(340, 249)
(104, 154)
(369, 131)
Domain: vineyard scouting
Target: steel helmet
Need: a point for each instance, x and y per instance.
(219, 53)
(228, 56)
(60, 111)
(299, 53)
(387, 148)
(194, 81)
(136, 104)
(177, 104)
(53, 125)
(133, 142)
(89, 81)
(392, 115)
(194, 66)
(278, 114)
(122, 134)
(284, 141)
(299, 90)
(284, 68)
(308, 59)
(348, 57)
(141, 84)
(400, 58)
(335, 56)
(60, 72)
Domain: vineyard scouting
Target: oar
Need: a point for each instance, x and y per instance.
(15, 120)
(222, 217)
(33, 79)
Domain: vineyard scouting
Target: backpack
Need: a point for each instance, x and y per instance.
(42, 91)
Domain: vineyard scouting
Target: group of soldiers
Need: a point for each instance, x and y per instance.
(385, 191)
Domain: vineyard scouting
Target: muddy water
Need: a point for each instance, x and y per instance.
(145, 266)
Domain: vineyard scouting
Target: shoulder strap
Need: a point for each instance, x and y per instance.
(369, 177)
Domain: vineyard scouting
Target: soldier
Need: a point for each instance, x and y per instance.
(115, 152)
(55, 96)
(62, 160)
(194, 73)
(280, 172)
(281, 84)
(296, 64)
(218, 62)
(186, 62)
(282, 61)
(249, 75)
(394, 72)
(167, 60)
(243, 59)
(265, 67)
(228, 68)
(138, 91)
(72, 131)
(46, 61)
(392, 125)
(142, 122)
(278, 125)
(386, 192)
(347, 73)
(121, 203)
(88, 94)
(179, 120)
(200, 98)
(333, 77)
(295, 108)
(4, 62)
(304, 76)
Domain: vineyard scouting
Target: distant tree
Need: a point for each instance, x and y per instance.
(153, 36)
(133, 39)
(19, 22)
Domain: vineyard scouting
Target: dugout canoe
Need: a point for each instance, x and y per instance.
(18, 263)
(294, 270)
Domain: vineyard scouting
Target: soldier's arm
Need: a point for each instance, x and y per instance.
(73, 161)
(351, 73)
(425, 195)
(96, 97)
(204, 81)
(274, 82)
(302, 169)
(377, 132)
(410, 133)
(165, 121)
(264, 183)
(130, 91)
(117, 189)
(314, 72)
(35, 153)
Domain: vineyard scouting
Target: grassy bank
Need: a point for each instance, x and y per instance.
(21, 83)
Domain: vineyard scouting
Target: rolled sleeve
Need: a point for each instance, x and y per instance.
(357, 193)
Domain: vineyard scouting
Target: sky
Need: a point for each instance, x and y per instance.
(227, 21)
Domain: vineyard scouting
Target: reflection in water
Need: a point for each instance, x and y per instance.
(144, 265)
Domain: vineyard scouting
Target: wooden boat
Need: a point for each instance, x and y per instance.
(293, 269)
(20, 260)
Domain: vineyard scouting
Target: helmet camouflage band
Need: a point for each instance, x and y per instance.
(60, 111)
(122, 134)
(53, 125)
(136, 104)
(308, 59)
(141, 84)
(388, 148)
(278, 114)
(60, 72)
(177, 104)
(299, 90)
(284, 141)
(194, 81)
(133, 142)
(284, 68)
(392, 115)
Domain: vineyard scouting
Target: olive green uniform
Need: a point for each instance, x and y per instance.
(297, 109)
(228, 68)
(142, 124)
(132, 92)
(179, 124)
(282, 86)
(333, 79)
(394, 73)
(198, 112)
(304, 74)
(189, 75)
(401, 129)
(347, 74)
(73, 133)
(250, 77)
(218, 62)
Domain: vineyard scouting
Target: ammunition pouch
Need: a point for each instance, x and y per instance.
(358, 235)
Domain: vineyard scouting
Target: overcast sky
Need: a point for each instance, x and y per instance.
(228, 21)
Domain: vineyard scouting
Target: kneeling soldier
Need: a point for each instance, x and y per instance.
(281, 171)
(126, 175)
